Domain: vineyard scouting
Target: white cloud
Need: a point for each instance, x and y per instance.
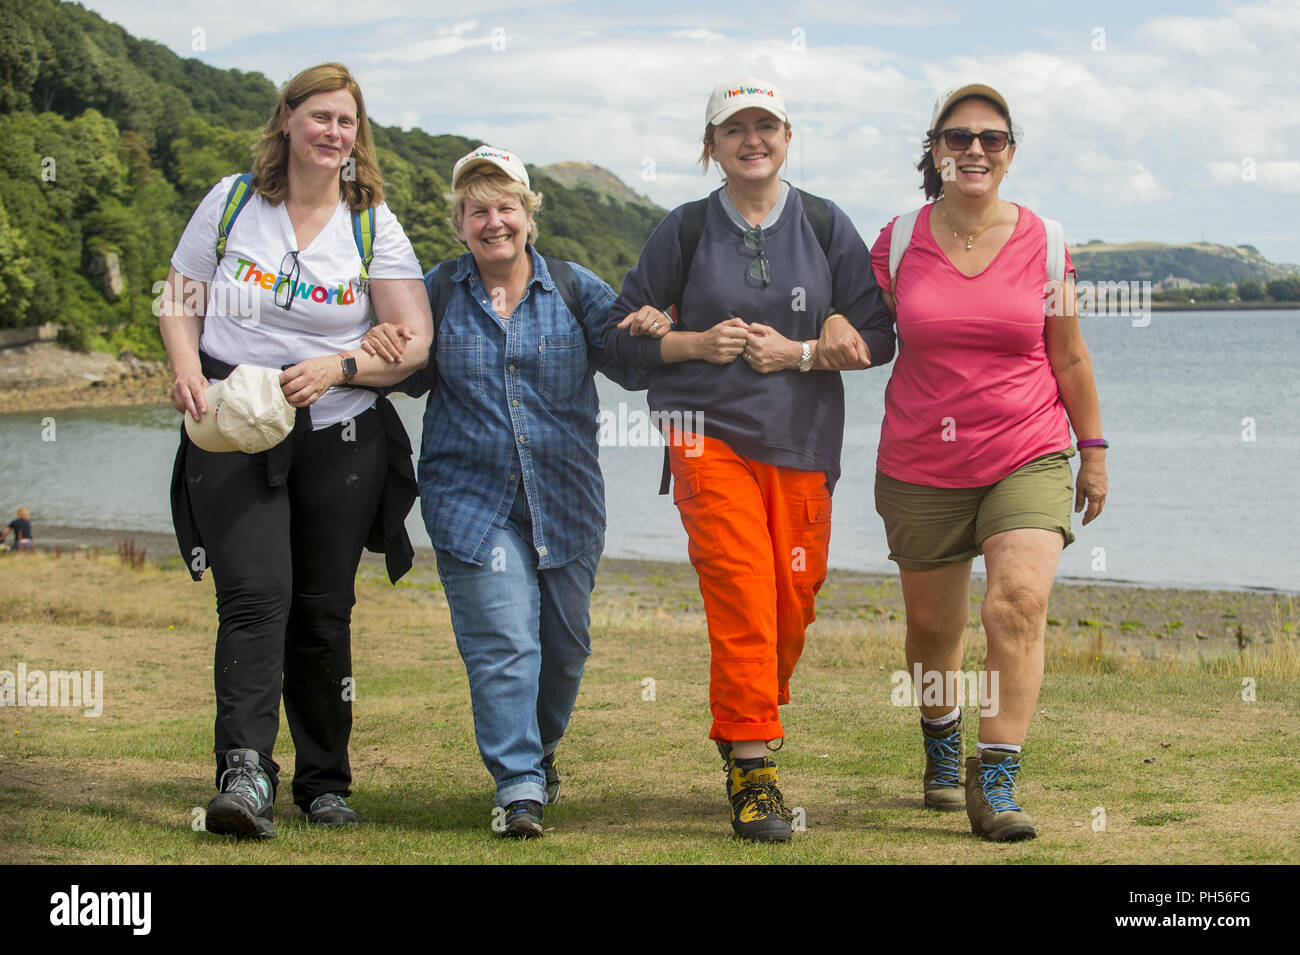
(1160, 120)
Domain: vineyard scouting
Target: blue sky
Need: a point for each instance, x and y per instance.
(1164, 121)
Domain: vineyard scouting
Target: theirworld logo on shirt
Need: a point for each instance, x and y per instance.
(248, 271)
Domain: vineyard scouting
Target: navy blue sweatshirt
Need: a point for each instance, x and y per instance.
(787, 418)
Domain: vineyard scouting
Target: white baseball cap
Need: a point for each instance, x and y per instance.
(728, 99)
(487, 155)
(961, 92)
(246, 412)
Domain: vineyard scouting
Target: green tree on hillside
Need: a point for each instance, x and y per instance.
(1285, 289)
(1250, 290)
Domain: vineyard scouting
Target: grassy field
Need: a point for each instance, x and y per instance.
(1143, 750)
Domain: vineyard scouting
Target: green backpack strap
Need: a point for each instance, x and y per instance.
(363, 233)
(236, 199)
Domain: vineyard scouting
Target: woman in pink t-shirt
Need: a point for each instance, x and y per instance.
(975, 444)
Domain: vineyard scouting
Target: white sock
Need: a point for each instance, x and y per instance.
(943, 720)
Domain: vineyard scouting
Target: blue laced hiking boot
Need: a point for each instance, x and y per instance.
(552, 779)
(758, 811)
(990, 798)
(246, 803)
(331, 811)
(943, 783)
(523, 820)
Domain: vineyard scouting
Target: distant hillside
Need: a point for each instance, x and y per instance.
(1199, 263)
(108, 142)
(598, 180)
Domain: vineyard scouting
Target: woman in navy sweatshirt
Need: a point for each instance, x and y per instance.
(771, 289)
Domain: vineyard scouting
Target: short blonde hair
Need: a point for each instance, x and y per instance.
(486, 184)
(22, 514)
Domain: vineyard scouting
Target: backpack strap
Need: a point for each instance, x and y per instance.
(566, 283)
(1055, 250)
(818, 214)
(363, 233)
(236, 199)
(899, 240)
(688, 237)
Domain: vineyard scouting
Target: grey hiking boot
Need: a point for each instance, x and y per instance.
(332, 811)
(990, 801)
(943, 782)
(246, 803)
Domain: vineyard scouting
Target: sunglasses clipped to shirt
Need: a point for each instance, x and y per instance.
(959, 139)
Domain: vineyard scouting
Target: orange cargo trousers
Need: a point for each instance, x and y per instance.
(759, 536)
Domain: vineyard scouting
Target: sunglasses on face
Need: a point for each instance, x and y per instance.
(959, 140)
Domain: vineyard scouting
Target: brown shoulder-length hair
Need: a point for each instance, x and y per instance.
(361, 183)
(931, 178)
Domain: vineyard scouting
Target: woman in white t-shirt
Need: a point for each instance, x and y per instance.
(283, 530)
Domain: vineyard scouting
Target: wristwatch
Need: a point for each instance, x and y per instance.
(349, 367)
(805, 361)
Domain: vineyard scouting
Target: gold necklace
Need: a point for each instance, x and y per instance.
(969, 238)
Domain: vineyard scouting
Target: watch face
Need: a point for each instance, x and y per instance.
(349, 366)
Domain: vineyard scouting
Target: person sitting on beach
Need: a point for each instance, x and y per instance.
(975, 442)
(510, 480)
(22, 528)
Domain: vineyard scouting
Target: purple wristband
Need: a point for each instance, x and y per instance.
(1093, 443)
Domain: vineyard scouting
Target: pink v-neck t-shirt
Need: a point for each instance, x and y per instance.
(972, 396)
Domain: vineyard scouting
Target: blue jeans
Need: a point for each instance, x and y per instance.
(523, 634)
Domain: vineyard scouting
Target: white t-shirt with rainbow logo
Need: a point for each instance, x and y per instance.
(329, 312)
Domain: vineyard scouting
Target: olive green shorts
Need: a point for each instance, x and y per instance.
(928, 527)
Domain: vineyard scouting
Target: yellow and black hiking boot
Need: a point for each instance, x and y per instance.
(758, 812)
(990, 803)
(942, 782)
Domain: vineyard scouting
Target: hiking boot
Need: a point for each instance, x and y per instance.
(990, 804)
(246, 802)
(758, 812)
(523, 820)
(552, 779)
(332, 811)
(943, 783)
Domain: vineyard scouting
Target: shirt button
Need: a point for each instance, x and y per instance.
(514, 404)
(511, 368)
(523, 438)
(513, 478)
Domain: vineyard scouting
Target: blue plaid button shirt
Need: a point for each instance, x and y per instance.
(515, 403)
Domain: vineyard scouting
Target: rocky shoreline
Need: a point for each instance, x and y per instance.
(46, 377)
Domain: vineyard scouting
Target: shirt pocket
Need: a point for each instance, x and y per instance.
(460, 364)
(563, 363)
